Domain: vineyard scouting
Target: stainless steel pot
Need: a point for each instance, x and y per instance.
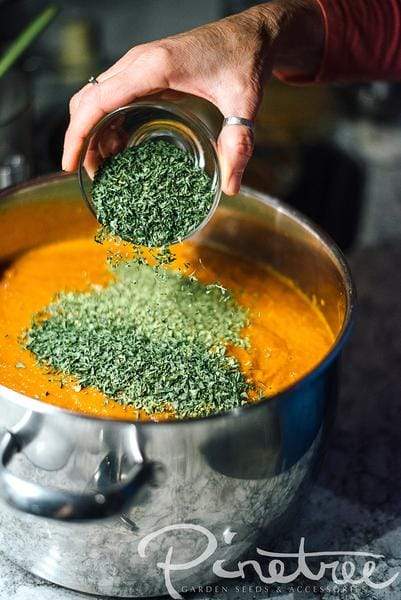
(78, 493)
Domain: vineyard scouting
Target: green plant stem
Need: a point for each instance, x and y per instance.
(26, 37)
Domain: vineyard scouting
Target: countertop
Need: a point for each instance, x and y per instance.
(356, 502)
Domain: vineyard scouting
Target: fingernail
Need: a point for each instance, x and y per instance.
(65, 164)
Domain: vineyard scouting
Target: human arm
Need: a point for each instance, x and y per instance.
(226, 62)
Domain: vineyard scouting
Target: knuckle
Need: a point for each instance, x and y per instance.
(86, 93)
(132, 52)
(158, 61)
(241, 141)
(162, 56)
(245, 144)
(73, 103)
(92, 95)
(76, 99)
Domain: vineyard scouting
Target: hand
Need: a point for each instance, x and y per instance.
(226, 62)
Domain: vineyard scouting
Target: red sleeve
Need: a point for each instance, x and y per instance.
(362, 40)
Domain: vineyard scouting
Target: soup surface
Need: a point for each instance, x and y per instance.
(288, 335)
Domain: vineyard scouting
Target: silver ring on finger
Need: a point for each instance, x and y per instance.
(232, 120)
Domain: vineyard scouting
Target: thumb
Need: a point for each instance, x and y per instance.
(235, 148)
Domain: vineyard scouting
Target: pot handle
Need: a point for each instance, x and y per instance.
(61, 505)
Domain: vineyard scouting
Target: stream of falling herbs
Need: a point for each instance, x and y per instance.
(153, 338)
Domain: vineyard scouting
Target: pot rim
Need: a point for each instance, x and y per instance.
(314, 229)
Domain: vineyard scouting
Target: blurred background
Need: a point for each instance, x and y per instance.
(333, 152)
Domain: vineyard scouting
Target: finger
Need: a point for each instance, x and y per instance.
(98, 100)
(116, 68)
(124, 61)
(109, 141)
(114, 141)
(235, 143)
(92, 162)
(76, 98)
(235, 148)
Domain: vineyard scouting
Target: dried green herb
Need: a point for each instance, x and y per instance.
(152, 339)
(152, 194)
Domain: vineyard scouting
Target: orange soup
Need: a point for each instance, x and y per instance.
(287, 333)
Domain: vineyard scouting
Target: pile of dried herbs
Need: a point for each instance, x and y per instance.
(152, 194)
(154, 340)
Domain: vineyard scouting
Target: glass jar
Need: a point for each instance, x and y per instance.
(163, 117)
